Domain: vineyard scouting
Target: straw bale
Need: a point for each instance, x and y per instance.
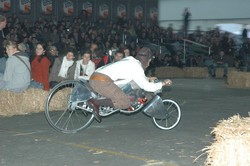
(237, 79)
(169, 72)
(196, 72)
(29, 101)
(232, 143)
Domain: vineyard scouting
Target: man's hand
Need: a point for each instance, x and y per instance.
(167, 82)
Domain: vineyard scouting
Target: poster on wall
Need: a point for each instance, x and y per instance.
(46, 6)
(138, 12)
(25, 6)
(153, 14)
(5, 5)
(88, 8)
(68, 7)
(121, 11)
(104, 11)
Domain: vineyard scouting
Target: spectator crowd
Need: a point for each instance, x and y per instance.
(73, 49)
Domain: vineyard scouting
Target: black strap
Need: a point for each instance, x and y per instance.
(23, 63)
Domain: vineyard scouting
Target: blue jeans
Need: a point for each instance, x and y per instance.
(37, 85)
(2, 64)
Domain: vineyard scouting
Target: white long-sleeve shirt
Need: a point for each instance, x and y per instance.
(129, 69)
(88, 69)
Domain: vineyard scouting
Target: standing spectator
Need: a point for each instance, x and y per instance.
(85, 67)
(40, 68)
(16, 76)
(62, 69)
(186, 18)
(3, 23)
(244, 32)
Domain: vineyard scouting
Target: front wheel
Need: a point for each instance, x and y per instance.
(172, 118)
(64, 112)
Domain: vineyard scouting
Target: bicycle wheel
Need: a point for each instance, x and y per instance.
(172, 118)
(64, 112)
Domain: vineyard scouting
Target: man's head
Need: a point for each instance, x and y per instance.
(118, 55)
(70, 55)
(3, 22)
(53, 51)
(144, 55)
(11, 47)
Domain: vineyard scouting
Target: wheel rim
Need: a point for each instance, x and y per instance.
(173, 115)
(63, 114)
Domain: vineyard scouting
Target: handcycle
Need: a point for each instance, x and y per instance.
(67, 109)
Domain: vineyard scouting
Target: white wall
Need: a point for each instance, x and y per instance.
(205, 13)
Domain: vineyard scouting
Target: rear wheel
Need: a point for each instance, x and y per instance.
(172, 118)
(63, 112)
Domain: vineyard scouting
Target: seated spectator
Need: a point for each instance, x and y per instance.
(220, 61)
(191, 61)
(108, 59)
(177, 62)
(16, 76)
(209, 64)
(62, 69)
(126, 52)
(40, 68)
(52, 54)
(85, 67)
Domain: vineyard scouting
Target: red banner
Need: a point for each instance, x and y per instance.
(121, 11)
(25, 6)
(87, 6)
(68, 7)
(138, 12)
(104, 11)
(5, 5)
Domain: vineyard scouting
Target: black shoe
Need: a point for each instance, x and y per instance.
(95, 108)
(225, 76)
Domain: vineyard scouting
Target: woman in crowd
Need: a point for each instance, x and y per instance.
(16, 76)
(85, 67)
(62, 69)
(40, 66)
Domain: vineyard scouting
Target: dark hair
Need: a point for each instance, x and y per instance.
(44, 45)
(87, 52)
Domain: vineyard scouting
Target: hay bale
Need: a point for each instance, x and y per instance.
(196, 72)
(237, 79)
(232, 143)
(169, 72)
(29, 101)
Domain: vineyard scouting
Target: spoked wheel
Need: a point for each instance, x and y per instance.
(64, 111)
(172, 118)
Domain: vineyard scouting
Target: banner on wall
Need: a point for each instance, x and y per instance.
(5, 5)
(153, 14)
(88, 7)
(46, 6)
(25, 6)
(68, 7)
(138, 12)
(104, 11)
(121, 11)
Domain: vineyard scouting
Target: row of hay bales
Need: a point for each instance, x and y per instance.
(235, 79)
(231, 146)
(29, 101)
(188, 72)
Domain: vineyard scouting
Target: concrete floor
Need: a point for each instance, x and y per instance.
(121, 140)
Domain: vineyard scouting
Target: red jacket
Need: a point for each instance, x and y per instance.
(40, 71)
